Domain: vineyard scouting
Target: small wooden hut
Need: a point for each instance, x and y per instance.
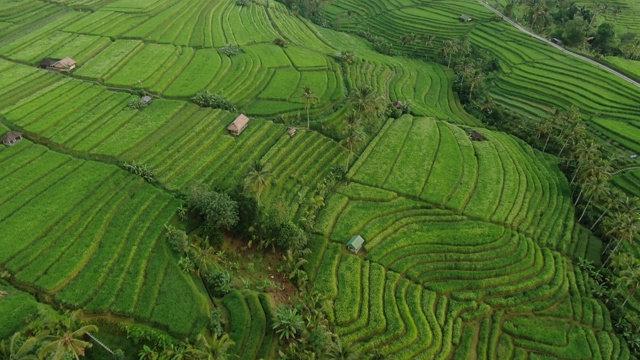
(146, 99)
(476, 136)
(11, 138)
(465, 18)
(355, 244)
(63, 65)
(292, 131)
(238, 125)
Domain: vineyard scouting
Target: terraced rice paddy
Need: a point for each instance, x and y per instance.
(470, 246)
(451, 269)
(534, 77)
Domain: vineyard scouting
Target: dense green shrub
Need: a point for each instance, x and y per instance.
(219, 282)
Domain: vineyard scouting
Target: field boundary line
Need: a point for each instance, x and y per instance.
(561, 48)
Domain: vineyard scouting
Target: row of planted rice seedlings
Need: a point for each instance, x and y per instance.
(23, 218)
(48, 16)
(40, 98)
(515, 183)
(296, 30)
(394, 223)
(241, 28)
(399, 322)
(129, 127)
(239, 320)
(109, 60)
(40, 48)
(348, 303)
(34, 111)
(620, 133)
(248, 71)
(578, 89)
(107, 244)
(257, 329)
(269, 339)
(81, 48)
(486, 195)
(161, 22)
(142, 236)
(79, 125)
(134, 278)
(143, 66)
(538, 270)
(381, 160)
(477, 276)
(375, 319)
(415, 161)
(190, 128)
(358, 213)
(60, 116)
(86, 23)
(33, 183)
(345, 326)
(227, 171)
(464, 189)
(58, 256)
(114, 25)
(191, 316)
(444, 168)
(197, 75)
(406, 250)
(301, 158)
(181, 26)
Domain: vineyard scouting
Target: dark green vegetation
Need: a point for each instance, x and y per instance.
(472, 247)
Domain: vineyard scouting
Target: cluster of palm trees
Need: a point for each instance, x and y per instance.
(51, 339)
(365, 110)
(306, 334)
(206, 347)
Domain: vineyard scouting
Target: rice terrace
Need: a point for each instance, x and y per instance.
(315, 179)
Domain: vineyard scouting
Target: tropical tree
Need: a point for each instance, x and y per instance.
(16, 349)
(365, 101)
(631, 279)
(203, 255)
(288, 323)
(67, 342)
(355, 137)
(339, 351)
(450, 48)
(309, 99)
(257, 178)
(212, 347)
(148, 353)
(598, 189)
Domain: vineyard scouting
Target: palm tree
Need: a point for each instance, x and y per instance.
(287, 323)
(67, 343)
(309, 99)
(257, 178)
(365, 101)
(203, 255)
(212, 347)
(9, 349)
(354, 139)
(597, 189)
(631, 278)
(449, 48)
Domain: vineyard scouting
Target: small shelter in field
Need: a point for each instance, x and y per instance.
(476, 136)
(292, 131)
(11, 138)
(146, 99)
(238, 125)
(398, 105)
(63, 65)
(466, 18)
(355, 244)
(46, 63)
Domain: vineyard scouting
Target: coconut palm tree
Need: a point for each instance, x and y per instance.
(342, 352)
(449, 48)
(257, 178)
(365, 101)
(597, 189)
(631, 279)
(355, 137)
(203, 255)
(67, 342)
(309, 99)
(11, 349)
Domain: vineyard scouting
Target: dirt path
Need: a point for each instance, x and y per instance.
(584, 58)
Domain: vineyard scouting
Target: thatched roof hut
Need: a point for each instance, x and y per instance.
(11, 138)
(238, 125)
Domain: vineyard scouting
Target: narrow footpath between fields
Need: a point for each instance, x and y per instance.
(584, 58)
